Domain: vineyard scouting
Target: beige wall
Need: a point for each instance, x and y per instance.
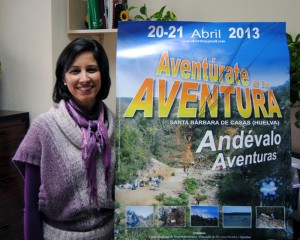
(33, 33)
(30, 43)
(26, 55)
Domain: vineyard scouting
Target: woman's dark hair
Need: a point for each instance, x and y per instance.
(67, 57)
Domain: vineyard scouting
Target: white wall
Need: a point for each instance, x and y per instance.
(59, 36)
(26, 55)
(30, 43)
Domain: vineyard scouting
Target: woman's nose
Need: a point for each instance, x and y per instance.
(85, 76)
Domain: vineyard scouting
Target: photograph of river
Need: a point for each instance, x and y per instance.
(237, 216)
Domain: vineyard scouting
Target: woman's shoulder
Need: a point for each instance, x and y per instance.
(46, 121)
(42, 119)
(56, 109)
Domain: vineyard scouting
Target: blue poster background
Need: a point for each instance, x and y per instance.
(203, 131)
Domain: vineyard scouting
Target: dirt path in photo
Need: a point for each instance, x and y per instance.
(143, 196)
(172, 185)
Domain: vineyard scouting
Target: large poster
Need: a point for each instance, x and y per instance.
(203, 140)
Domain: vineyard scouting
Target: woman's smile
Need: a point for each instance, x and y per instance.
(85, 89)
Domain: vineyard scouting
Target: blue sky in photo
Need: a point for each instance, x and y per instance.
(144, 211)
(265, 58)
(205, 211)
(235, 209)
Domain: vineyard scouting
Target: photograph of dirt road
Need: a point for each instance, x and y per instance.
(172, 185)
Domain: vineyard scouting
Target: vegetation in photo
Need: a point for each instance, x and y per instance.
(173, 216)
(204, 216)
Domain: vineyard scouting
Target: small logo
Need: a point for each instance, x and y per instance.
(268, 188)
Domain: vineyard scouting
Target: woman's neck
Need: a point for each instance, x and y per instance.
(90, 113)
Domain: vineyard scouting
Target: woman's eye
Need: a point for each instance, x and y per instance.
(74, 71)
(92, 70)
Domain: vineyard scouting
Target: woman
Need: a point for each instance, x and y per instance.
(67, 157)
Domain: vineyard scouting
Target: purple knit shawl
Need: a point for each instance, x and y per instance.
(94, 140)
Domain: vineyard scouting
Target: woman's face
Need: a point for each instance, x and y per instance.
(83, 80)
